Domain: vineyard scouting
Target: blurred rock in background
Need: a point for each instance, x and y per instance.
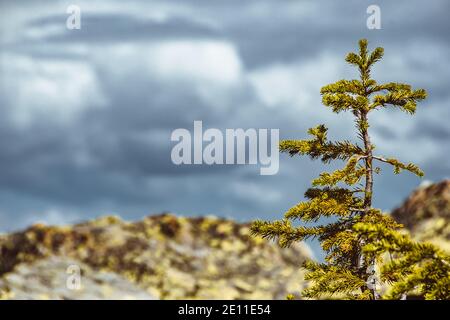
(426, 213)
(161, 257)
(46, 279)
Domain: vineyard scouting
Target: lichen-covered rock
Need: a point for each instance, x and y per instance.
(49, 278)
(426, 213)
(167, 257)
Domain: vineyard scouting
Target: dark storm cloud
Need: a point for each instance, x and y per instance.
(116, 157)
(101, 28)
(302, 29)
(434, 132)
(117, 140)
(45, 166)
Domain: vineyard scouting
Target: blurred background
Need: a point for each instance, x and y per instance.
(86, 115)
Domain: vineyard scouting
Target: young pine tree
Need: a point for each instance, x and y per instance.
(359, 238)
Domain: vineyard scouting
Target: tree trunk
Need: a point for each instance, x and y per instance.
(371, 275)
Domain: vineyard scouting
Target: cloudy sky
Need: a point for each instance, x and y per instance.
(86, 115)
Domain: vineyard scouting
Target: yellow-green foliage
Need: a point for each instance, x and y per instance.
(360, 238)
(412, 266)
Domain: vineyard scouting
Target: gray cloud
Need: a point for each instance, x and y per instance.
(87, 115)
(106, 28)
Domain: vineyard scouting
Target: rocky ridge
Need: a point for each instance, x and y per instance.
(426, 214)
(162, 257)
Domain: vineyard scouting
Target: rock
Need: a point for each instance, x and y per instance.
(426, 213)
(48, 279)
(164, 256)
